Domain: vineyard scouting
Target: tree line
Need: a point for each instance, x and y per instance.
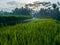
(51, 10)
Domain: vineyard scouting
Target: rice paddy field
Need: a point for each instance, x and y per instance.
(35, 32)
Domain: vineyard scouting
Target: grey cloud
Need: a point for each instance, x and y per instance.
(10, 5)
(13, 3)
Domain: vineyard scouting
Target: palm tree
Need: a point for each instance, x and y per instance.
(54, 6)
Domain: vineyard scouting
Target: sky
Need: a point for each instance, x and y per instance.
(8, 5)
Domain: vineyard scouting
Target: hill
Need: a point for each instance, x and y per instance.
(39, 32)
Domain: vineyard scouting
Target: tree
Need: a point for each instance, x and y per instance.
(54, 6)
(21, 11)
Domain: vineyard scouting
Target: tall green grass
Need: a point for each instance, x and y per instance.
(40, 32)
(12, 20)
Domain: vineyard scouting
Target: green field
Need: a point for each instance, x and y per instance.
(12, 20)
(35, 32)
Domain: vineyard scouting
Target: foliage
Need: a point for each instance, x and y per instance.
(21, 11)
(39, 32)
(48, 9)
(12, 20)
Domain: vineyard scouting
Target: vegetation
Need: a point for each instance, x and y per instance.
(49, 10)
(12, 20)
(39, 32)
(21, 11)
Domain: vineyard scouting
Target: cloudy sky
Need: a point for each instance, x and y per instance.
(8, 5)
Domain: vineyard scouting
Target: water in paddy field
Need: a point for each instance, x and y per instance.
(34, 18)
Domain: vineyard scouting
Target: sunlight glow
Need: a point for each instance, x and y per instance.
(28, 1)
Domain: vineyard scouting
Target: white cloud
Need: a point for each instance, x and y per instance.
(11, 4)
